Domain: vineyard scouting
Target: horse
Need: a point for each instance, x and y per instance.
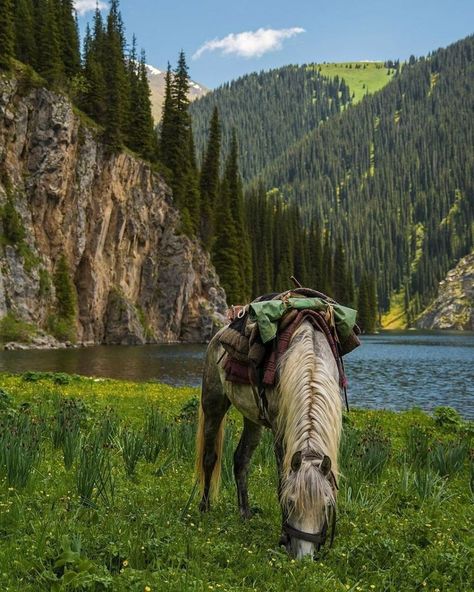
(305, 416)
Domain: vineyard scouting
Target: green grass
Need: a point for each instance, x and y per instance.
(116, 521)
(361, 77)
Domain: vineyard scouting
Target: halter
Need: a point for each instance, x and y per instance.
(318, 538)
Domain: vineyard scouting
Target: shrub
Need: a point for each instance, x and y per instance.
(13, 229)
(447, 417)
(62, 329)
(14, 329)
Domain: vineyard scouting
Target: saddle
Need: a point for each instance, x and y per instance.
(259, 333)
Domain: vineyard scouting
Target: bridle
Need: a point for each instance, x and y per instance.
(317, 538)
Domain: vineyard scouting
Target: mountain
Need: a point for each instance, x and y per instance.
(156, 80)
(393, 177)
(91, 245)
(453, 307)
(271, 110)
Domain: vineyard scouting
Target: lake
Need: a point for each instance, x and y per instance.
(390, 370)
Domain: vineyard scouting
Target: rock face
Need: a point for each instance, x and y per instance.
(454, 306)
(137, 278)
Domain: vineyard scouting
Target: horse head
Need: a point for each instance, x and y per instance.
(308, 499)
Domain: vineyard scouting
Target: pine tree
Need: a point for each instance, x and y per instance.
(181, 126)
(192, 194)
(65, 290)
(7, 33)
(340, 274)
(363, 316)
(372, 301)
(209, 182)
(167, 137)
(68, 37)
(327, 266)
(93, 101)
(233, 187)
(49, 63)
(25, 45)
(116, 123)
(141, 135)
(225, 251)
(315, 257)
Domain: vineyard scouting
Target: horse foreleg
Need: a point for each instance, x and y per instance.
(243, 453)
(279, 461)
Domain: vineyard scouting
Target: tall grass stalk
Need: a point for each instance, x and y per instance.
(19, 447)
(94, 471)
(132, 447)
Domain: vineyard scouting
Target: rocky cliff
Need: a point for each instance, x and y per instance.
(454, 306)
(135, 278)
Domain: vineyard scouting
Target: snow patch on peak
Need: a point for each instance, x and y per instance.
(153, 70)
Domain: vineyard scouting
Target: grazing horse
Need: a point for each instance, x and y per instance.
(305, 416)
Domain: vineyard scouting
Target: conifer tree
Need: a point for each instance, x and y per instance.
(209, 182)
(167, 137)
(141, 135)
(372, 301)
(363, 317)
(49, 63)
(25, 46)
(327, 266)
(68, 37)
(93, 101)
(340, 274)
(225, 251)
(116, 123)
(7, 33)
(192, 194)
(233, 185)
(315, 257)
(181, 125)
(65, 290)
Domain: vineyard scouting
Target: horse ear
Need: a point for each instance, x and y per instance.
(325, 466)
(296, 461)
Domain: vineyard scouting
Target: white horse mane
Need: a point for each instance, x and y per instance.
(309, 417)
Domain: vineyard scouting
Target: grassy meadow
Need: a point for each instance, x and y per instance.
(362, 77)
(97, 493)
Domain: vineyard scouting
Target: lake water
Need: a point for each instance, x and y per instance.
(391, 370)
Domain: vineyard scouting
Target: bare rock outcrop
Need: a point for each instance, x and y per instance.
(137, 278)
(454, 306)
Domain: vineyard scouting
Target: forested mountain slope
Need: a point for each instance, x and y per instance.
(272, 110)
(393, 177)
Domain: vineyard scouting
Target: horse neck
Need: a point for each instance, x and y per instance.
(309, 414)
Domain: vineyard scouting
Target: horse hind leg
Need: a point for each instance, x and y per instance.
(210, 434)
(243, 453)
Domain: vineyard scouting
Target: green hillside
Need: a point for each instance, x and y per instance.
(392, 177)
(272, 110)
(362, 77)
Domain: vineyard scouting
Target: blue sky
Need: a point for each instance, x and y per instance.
(228, 39)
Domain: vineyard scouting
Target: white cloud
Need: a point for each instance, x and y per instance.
(249, 44)
(83, 6)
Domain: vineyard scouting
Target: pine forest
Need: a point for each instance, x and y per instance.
(283, 172)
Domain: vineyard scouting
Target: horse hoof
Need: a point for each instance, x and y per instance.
(256, 510)
(204, 506)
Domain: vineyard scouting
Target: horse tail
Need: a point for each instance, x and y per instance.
(218, 448)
